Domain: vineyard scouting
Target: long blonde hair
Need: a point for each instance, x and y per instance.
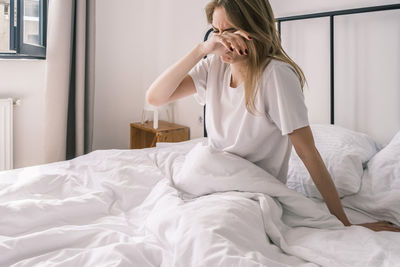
(257, 19)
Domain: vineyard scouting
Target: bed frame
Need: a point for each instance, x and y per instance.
(332, 16)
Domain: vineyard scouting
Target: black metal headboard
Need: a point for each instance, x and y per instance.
(204, 109)
(331, 15)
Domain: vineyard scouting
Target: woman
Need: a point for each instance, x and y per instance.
(255, 103)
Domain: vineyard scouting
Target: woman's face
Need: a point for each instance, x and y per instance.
(220, 24)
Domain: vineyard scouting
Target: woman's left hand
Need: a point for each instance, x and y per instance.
(380, 226)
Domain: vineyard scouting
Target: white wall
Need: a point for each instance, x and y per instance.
(136, 41)
(134, 45)
(367, 63)
(24, 79)
(283, 8)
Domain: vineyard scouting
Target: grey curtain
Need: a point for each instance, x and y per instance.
(70, 79)
(81, 90)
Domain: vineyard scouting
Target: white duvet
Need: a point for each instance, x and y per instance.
(152, 208)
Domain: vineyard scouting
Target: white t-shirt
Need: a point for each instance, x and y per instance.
(261, 138)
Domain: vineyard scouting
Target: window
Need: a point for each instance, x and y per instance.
(23, 27)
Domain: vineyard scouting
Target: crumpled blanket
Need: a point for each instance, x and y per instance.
(179, 206)
(291, 221)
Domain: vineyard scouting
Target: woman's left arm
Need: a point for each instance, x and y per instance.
(303, 142)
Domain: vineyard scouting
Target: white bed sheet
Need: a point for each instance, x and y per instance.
(117, 208)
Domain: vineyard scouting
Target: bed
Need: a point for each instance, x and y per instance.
(184, 204)
(136, 208)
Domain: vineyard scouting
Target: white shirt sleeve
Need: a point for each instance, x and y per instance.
(199, 74)
(284, 99)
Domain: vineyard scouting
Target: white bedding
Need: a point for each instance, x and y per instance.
(119, 208)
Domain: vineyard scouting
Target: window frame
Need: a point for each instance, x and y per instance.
(25, 50)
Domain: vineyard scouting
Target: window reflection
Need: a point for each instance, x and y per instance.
(4, 25)
(32, 34)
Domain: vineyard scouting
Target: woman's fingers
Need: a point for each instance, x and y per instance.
(236, 42)
(226, 43)
(219, 43)
(387, 228)
(381, 226)
(237, 45)
(390, 226)
(244, 34)
(241, 44)
(230, 41)
(387, 224)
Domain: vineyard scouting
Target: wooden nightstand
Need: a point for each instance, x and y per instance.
(143, 135)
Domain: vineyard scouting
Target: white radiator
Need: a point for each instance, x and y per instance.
(6, 134)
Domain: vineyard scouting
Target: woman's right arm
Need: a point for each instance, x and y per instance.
(175, 83)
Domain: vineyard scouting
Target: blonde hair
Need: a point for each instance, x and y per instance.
(257, 19)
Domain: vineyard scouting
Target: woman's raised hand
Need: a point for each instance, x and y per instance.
(220, 44)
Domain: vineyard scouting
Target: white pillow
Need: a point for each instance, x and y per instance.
(345, 153)
(384, 167)
(379, 196)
